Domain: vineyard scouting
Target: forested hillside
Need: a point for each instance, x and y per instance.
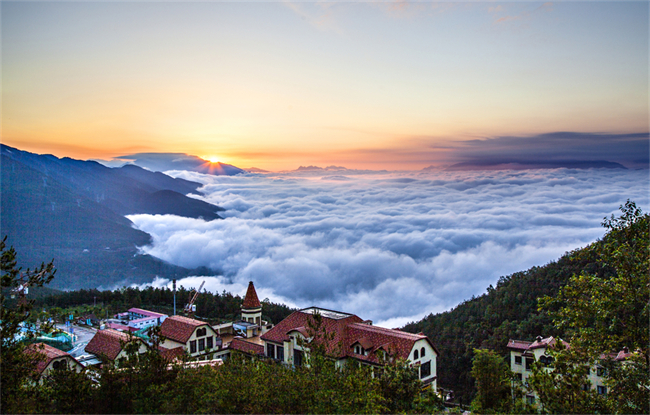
(507, 311)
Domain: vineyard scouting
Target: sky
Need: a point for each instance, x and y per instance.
(392, 247)
(366, 85)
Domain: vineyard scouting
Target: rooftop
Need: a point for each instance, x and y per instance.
(179, 328)
(146, 312)
(335, 315)
(251, 301)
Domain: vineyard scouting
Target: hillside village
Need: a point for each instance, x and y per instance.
(347, 338)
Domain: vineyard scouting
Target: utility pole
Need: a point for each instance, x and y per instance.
(174, 282)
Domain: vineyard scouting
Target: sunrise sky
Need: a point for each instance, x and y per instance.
(275, 85)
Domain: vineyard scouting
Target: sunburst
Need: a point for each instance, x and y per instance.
(211, 159)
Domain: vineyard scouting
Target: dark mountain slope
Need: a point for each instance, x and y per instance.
(125, 191)
(72, 211)
(505, 312)
(92, 246)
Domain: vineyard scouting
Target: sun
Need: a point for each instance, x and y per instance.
(211, 159)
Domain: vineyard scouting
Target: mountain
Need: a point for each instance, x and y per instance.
(180, 161)
(73, 211)
(507, 311)
(536, 164)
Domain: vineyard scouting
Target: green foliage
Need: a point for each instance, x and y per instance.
(493, 382)
(606, 314)
(564, 388)
(215, 307)
(16, 366)
(506, 311)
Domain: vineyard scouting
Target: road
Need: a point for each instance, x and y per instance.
(82, 334)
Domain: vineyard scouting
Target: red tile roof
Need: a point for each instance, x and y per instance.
(518, 344)
(171, 354)
(108, 343)
(246, 347)
(348, 330)
(397, 343)
(251, 300)
(50, 353)
(523, 345)
(623, 354)
(297, 319)
(179, 328)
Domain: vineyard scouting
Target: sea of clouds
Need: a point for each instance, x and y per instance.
(391, 247)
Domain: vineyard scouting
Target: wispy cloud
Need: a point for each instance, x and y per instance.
(523, 15)
(389, 247)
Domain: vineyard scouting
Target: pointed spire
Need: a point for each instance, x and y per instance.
(251, 300)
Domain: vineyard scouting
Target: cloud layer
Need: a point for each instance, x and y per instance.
(391, 247)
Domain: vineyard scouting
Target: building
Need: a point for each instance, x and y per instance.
(352, 339)
(141, 319)
(109, 344)
(52, 359)
(524, 353)
(244, 335)
(196, 337)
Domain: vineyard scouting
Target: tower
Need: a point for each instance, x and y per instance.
(251, 310)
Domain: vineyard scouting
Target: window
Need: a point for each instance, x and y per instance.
(59, 364)
(270, 350)
(280, 353)
(546, 360)
(529, 363)
(600, 371)
(201, 332)
(425, 370)
(297, 358)
(517, 360)
(415, 355)
(530, 400)
(201, 345)
(422, 352)
(518, 376)
(209, 344)
(193, 346)
(602, 390)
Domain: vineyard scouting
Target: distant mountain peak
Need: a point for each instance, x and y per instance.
(177, 161)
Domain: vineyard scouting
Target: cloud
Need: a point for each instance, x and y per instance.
(630, 150)
(391, 247)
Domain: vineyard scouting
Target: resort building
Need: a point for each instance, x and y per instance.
(349, 339)
(523, 354)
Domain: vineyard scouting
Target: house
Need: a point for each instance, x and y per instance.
(352, 340)
(524, 353)
(52, 359)
(244, 335)
(109, 344)
(196, 337)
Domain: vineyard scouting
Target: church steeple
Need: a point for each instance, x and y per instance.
(251, 309)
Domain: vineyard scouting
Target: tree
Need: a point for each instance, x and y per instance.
(16, 366)
(564, 388)
(606, 314)
(493, 382)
